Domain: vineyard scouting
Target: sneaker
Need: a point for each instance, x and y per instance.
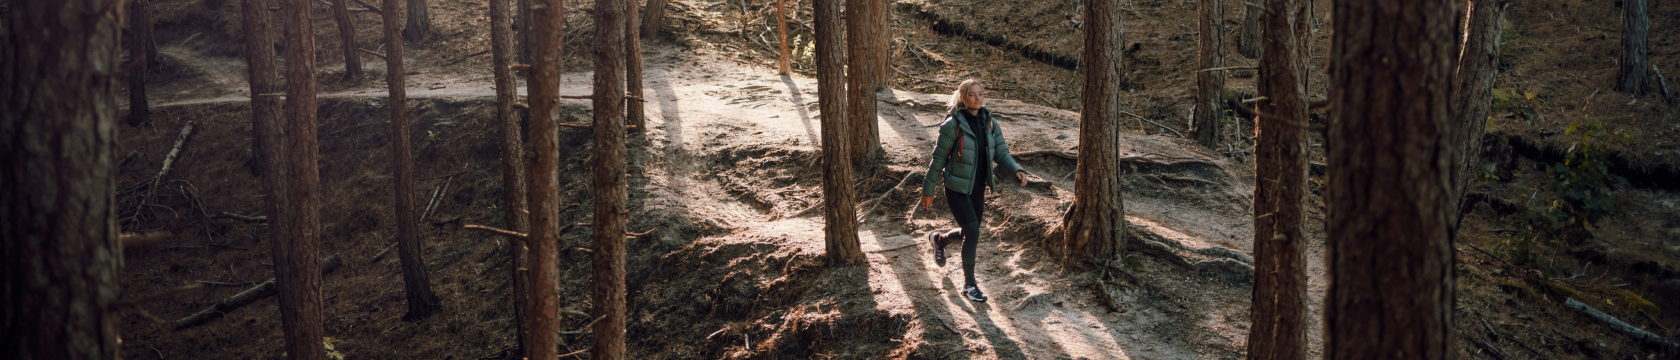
(972, 293)
(938, 248)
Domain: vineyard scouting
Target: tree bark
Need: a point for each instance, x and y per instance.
(653, 19)
(879, 15)
(417, 285)
(1390, 161)
(840, 232)
(513, 168)
(58, 120)
(297, 262)
(1210, 85)
(782, 67)
(141, 50)
(522, 30)
(862, 51)
(1248, 41)
(611, 188)
(347, 37)
(267, 146)
(419, 21)
(544, 186)
(1473, 90)
(1634, 75)
(1279, 306)
(1096, 224)
(634, 118)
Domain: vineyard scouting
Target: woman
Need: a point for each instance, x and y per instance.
(969, 152)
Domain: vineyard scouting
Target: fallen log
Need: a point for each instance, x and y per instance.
(251, 295)
(1621, 326)
(168, 162)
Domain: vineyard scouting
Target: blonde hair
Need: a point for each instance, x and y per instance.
(962, 89)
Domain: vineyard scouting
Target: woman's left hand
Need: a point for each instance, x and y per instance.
(1021, 175)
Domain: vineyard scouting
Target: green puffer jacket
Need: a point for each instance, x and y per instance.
(957, 169)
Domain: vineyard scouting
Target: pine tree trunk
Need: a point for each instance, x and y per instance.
(782, 67)
(880, 14)
(1210, 85)
(862, 51)
(544, 186)
(653, 18)
(347, 38)
(267, 146)
(58, 120)
(1473, 90)
(840, 232)
(634, 118)
(419, 22)
(1390, 160)
(611, 187)
(297, 266)
(1279, 310)
(522, 31)
(138, 35)
(417, 285)
(1096, 224)
(513, 168)
(1248, 41)
(1634, 76)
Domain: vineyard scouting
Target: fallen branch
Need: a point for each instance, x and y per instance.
(382, 253)
(469, 56)
(1621, 326)
(508, 233)
(263, 290)
(1153, 122)
(432, 205)
(381, 56)
(586, 328)
(1229, 68)
(133, 240)
(249, 219)
(371, 8)
(879, 199)
(168, 162)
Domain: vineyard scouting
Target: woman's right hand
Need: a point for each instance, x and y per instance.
(927, 202)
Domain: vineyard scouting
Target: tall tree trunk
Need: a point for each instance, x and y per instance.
(419, 21)
(1473, 90)
(634, 118)
(513, 166)
(862, 49)
(267, 145)
(1248, 42)
(1210, 85)
(544, 186)
(1279, 306)
(523, 31)
(611, 189)
(880, 13)
(347, 37)
(1390, 160)
(58, 235)
(653, 18)
(840, 232)
(782, 67)
(417, 285)
(297, 266)
(142, 52)
(1634, 76)
(1096, 224)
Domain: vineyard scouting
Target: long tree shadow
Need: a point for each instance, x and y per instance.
(799, 106)
(938, 322)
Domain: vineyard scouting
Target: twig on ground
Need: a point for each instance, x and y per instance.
(431, 205)
(880, 199)
(508, 233)
(381, 56)
(1175, 132)
(245, 218)
(251, 295)
(1229, 68)
(168, 162)
(382, 253)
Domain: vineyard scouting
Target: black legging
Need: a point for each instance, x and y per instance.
(968, 209)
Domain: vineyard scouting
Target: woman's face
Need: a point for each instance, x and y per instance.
(975, 98)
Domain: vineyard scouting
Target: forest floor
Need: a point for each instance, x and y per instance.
(727, 168)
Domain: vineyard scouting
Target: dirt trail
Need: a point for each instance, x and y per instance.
(701, 104)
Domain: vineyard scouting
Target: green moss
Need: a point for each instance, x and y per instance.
(1634, 302)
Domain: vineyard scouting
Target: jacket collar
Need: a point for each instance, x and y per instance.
(960, 114)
